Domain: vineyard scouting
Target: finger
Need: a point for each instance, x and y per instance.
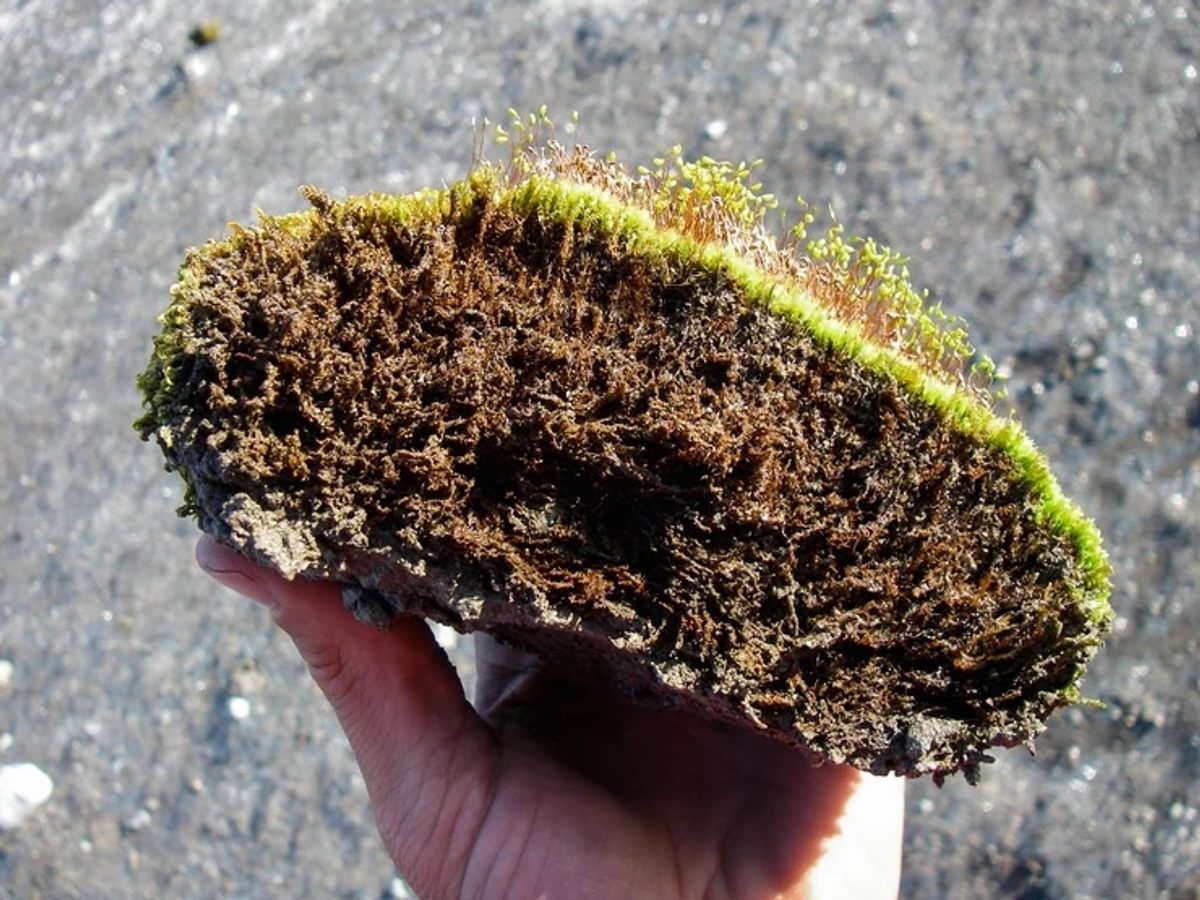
(507, 681)
(231, 569)
(427, 759)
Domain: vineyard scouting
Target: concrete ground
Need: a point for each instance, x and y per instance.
(1041, 161)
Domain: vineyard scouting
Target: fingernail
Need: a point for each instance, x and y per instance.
(229, 568)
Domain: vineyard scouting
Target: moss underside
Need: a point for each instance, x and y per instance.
(582, 446)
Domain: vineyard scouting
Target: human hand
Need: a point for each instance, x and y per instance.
(554, 790)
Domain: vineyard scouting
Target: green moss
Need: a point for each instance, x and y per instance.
(158, 383)
(709, 215)
(937, 594)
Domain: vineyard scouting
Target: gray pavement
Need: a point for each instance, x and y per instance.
(1042, 162)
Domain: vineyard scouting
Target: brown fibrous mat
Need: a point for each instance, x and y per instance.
(511, 424)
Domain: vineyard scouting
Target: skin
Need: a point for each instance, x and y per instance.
(546, 788)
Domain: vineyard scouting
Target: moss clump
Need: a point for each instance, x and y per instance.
(608, 417)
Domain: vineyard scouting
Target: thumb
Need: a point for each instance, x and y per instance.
(428, 761)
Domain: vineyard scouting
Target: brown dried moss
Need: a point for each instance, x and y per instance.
(508, 423)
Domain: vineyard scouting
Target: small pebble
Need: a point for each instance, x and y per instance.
(23, 788)
(716, 129)
(6, 674)
(138, 820)
(239, 708)
(205, 33)
(195, 69)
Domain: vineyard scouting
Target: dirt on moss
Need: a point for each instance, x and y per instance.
(507, 423)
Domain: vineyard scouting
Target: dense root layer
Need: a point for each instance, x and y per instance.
(508, 423)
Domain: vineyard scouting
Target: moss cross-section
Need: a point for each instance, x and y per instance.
(608, 417)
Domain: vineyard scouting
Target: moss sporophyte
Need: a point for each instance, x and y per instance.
(607, 415)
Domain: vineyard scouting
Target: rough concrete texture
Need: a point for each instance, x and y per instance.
(1041, 161)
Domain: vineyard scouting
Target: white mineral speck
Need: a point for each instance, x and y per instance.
(239, 707)
(138, 820)
(716, 129)
(195, 68)
(23, 788)
(6, 741)
(6, 674)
